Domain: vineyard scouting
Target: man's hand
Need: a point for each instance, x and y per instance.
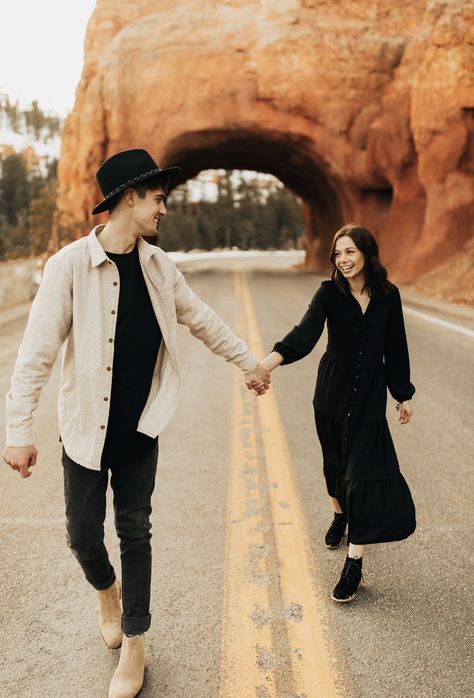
(259, 380)
(20, 458)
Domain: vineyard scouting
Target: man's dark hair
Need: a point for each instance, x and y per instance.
(114, 202)
(156, 182)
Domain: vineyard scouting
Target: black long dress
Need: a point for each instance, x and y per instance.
(366, 353)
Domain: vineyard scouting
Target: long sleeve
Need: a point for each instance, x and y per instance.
(48, 325)
(302, 339)
(207, 326)
(397, 362)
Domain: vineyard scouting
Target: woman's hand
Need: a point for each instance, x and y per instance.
(405, 411)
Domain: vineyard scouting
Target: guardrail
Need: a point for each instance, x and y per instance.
(19, 281)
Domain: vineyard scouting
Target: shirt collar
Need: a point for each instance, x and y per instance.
(145, 249)
(98, 254)
(96, 250)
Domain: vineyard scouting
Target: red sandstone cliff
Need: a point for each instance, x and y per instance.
(364, 108)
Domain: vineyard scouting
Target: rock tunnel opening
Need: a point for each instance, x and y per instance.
(286, 157)
(239, 209)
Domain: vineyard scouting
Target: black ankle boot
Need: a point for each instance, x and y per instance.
(335, 532)
(346, 588)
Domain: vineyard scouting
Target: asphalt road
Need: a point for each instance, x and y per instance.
(410, 632)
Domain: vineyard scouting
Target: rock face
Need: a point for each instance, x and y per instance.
(364, 108)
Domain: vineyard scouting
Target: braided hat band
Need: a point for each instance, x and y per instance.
(123, 170)
(134, 180)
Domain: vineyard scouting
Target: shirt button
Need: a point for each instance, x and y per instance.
(111, 340)
(102, 426)
(106, 399)
(113, 312)
(115, 283)
(109, 368)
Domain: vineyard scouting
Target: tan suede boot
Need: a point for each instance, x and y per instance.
(110, 615)
(128, 677)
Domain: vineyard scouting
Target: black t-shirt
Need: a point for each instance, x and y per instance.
(137, 341)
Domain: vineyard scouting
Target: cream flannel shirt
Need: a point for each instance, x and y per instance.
(76, 305)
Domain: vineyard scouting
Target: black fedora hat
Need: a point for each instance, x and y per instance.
(123, 170)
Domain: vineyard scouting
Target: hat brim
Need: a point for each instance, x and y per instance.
(168, 173)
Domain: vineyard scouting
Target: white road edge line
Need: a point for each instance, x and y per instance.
(437, 321)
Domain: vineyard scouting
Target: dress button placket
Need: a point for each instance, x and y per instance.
(357, 377)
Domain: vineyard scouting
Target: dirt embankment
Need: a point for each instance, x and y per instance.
(454, 280)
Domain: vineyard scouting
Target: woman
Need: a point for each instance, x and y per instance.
(366, 353)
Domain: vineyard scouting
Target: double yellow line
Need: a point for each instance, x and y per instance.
(273, 642)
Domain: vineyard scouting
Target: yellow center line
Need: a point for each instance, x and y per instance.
(285, 652)
(246, 585)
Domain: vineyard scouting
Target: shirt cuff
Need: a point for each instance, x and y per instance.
(250, 364)
(19, 439)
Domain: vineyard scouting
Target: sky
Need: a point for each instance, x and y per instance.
(42, 50)
(41, 58)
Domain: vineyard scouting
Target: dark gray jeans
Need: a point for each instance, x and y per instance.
(84, 495)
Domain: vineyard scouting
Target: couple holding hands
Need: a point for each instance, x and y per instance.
(113, 302)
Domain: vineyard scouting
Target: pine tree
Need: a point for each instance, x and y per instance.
(14, 188)
(243, 215)
(40, 219)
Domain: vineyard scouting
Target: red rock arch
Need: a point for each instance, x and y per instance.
(375, 107)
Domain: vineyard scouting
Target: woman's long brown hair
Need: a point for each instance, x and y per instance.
(375, 275)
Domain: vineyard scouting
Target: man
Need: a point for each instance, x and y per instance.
(114, 301)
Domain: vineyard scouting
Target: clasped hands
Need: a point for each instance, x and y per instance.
(258, 380)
